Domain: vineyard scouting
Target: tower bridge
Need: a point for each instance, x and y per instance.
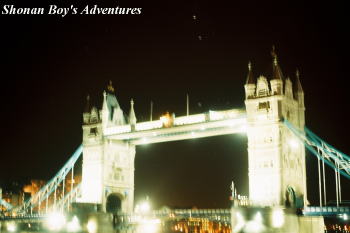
(274, 121)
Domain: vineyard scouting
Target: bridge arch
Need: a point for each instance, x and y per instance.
(114, 203)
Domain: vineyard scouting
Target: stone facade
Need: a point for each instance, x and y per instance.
(108, 165)
(276, 158)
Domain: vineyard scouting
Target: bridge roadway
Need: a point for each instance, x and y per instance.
(170, 128)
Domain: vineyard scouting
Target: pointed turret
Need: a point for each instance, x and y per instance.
(276, 69)
(277, 76)
(250, 77)
(250, 83)
(105, 111)
(87, 110)
(132, 116)
(87, 106)
(298, 87)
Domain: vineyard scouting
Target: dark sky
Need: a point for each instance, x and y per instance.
(49, 65)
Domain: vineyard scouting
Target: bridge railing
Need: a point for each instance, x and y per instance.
(325, 210)
(64, 203)
(44, 193)
(179, 121)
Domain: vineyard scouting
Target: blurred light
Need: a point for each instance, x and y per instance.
(277, 218)
(240, 222)
(293, 143)
(258, 217)
(149, 125)
(243, 128)
(148, 226)
(11, 226)
(73, 225)
(345, 217)
(192, 119)
(145, 207)
(144, 141)
(55, 221)
(165, 119)
(256, 225)
(92, 226)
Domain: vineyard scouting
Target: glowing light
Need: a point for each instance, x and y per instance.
(258, 217)
(293, 143)
(143, 207)
(144, 141)
(55, 221)
(256, 225)
(277, 218)
(73, 225)
(215, 115)
(243, 128)
(92, 226)
(193, 134)
(345, 217)
(91, 184)
(166, 120)
(11, 226)
(118, 129)
(240, 222)
(192, 119)
(148, 226)
(149, 125)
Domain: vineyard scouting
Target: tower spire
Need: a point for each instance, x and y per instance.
(298, 87)
(87, 106)
(132, 116)
(250, 77)
(250, 83)
(276, 70)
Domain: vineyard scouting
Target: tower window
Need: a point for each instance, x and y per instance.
(264, 105)
(93, 131)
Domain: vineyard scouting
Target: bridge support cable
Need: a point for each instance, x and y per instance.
(339, 185)
(324, 185)
(334, 158)
(71, 184)
(52, 186)
(64, 203)
(336, 186)
(319, 180)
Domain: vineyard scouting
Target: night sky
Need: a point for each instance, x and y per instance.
(49, 65)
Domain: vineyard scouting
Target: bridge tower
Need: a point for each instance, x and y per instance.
(108, 165)
(276, 159)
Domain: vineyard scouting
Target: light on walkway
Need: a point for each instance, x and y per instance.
(55, 221)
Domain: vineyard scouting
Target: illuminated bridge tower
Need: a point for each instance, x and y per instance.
(276, 158)
(108, 165)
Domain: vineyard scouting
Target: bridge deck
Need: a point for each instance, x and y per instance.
(208, 124)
